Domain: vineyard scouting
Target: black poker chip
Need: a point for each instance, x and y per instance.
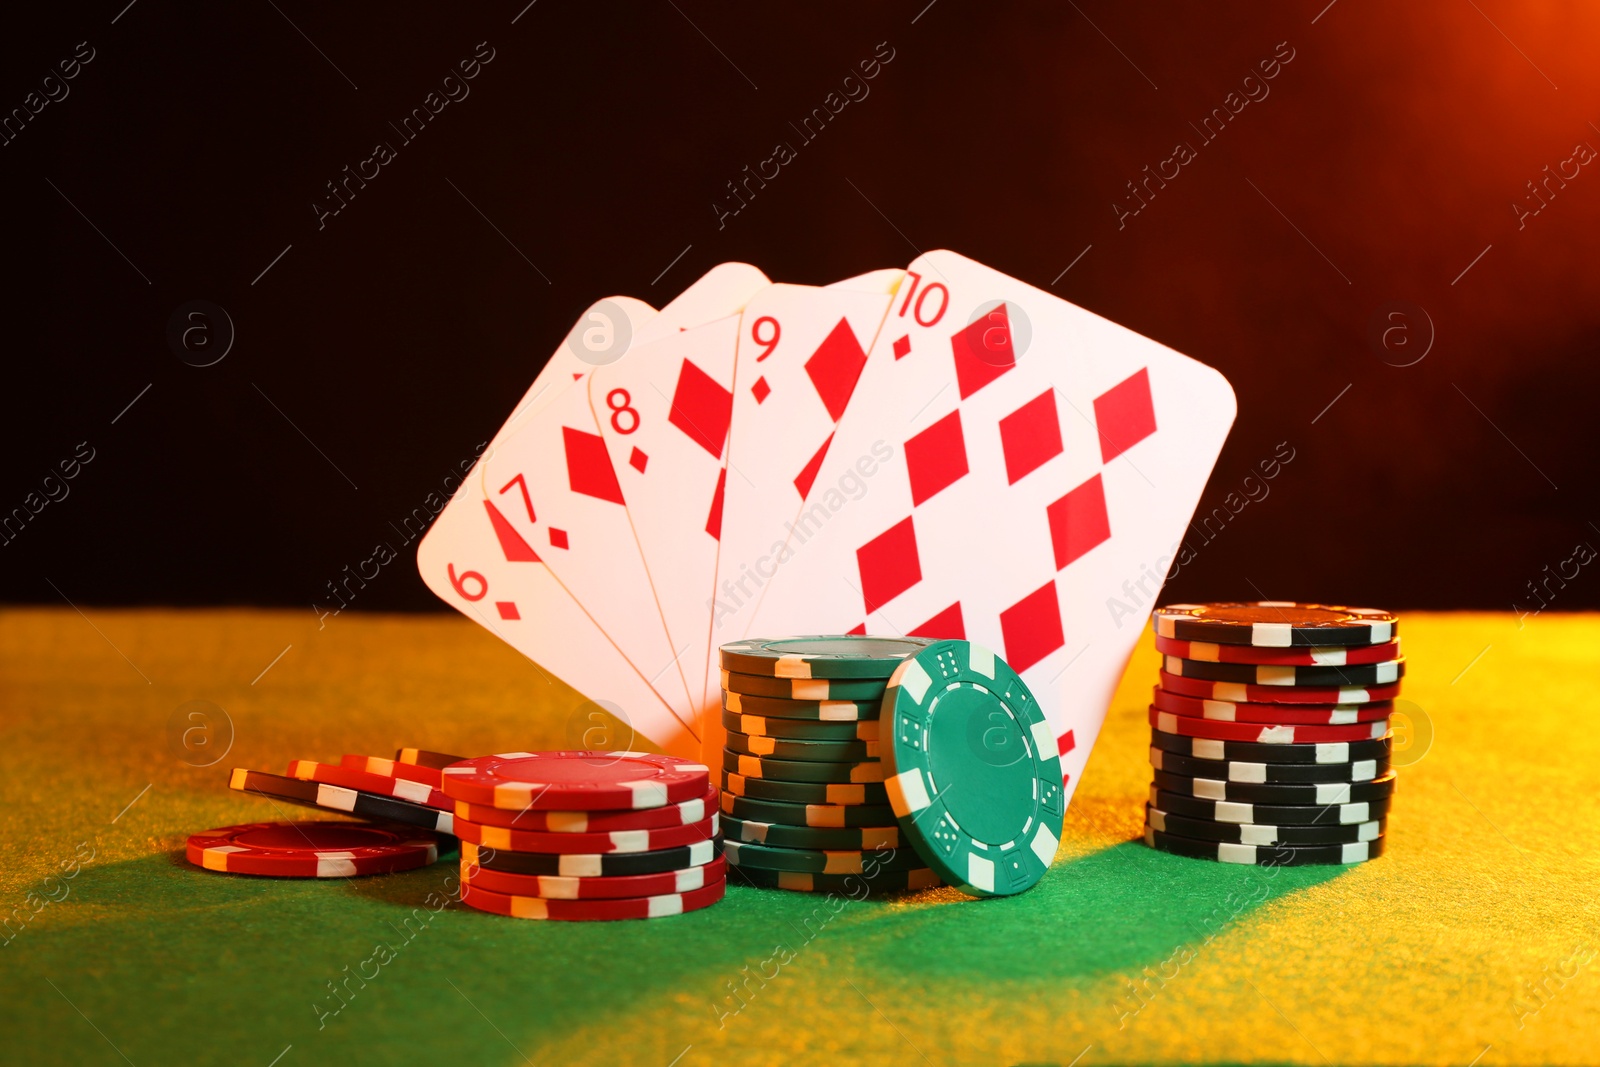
(1240, 771)
(1358, 674)
(1255, 752)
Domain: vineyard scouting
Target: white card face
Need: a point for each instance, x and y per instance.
(801, 352)
(553, 484)
(1012, 470)
(663, 413)
(474, 562)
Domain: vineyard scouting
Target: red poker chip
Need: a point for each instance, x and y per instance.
(1244, 693)
(1263, 733)
(598, 844)
(603, 887)
(1285, 714)
(588, 822)
(589, 781)
(652, 907)
(422, 757)
(1278, 657)
(389, 768)
(367, 782)
(311, 849)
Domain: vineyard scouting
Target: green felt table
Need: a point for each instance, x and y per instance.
(1473, 940)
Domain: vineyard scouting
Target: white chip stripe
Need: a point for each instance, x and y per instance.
(792, 666)
(914, 679)
(1044, 844)
(416, 792)
(1271, 634)
(908, 792)
(981, 660)
(809, 689)
(980, 872)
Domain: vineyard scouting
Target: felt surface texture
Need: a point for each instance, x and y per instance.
(1473, 940)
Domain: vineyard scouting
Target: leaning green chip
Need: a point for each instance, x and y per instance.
(822, 656)
(972, 770)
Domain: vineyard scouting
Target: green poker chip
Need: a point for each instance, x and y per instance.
(855, 886)
(825, 793)
(789, 748)
(860, 838)
(821, 656)
(972, 770)
(764, 685)
(752, 809)
(802, 710)
(793, 770)
(799, 729)
(819, 861)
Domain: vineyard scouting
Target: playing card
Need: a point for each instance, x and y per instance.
(800, 352)
(663, 414)
(1012, 470)
(554, 484)
(475, 562)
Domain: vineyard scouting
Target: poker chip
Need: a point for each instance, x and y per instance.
(503, 838)
(367, 782)
(855, 886)
(1287, 714)
(1275, 624)
(1360, 674)
(1265, 855)
(556, 887)
(311, 849)
(777, 811)
(1256, 834)
(1275, 694)
(1247, 752)
(1306, 656)
(819, 861)
(782, 835)
(421, 757)
(867, 770)
(591, 865)
(1238, 771)
(1271, 742)
(828, 656)
(590, 781)
(655, 907)
(812, 689)
(1264, 733)
(586, 822)
(1319, 793)
(802, 710)
(800, 729)
(972, 770)
(806, 792)
(806, 751)
(326, 797)
(1284, 814)
(389, 768)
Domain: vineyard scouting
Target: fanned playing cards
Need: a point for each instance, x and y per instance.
(942, 451)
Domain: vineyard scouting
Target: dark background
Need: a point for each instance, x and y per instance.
(380, 350)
